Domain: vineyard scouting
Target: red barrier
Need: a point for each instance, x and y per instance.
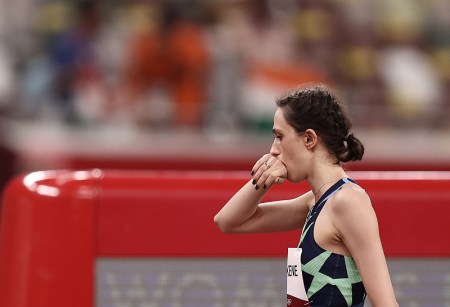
(54, 224)
(47, 240)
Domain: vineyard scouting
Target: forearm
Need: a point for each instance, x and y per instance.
(240, 208)
(242, 213)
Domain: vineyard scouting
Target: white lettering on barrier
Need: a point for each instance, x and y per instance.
(244, 282)
(200, 289)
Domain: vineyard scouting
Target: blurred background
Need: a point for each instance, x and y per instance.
(191, 84)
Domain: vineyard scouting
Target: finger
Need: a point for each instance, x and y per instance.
(258, 180)
(275, 175)
(259, 168)
(260, 162)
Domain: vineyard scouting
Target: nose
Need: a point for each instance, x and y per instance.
(275, 150)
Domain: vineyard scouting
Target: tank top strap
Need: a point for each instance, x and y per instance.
(315, 210)
(330, 192)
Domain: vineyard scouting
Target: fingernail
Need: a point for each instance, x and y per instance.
(254, 182)
(256, 187)
(264, 187)
(253, 173)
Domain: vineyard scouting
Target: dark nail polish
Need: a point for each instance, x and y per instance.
(264, 187)
(253, 173)
(254, 182)
(256, 187)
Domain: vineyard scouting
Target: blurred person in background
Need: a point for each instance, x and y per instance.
(437, 41)
(62, 79)
(272, 56)
(146, 89)
(7, 96)
(224, 110)
(342, 256)
(168, 65)
(189, 62)
(413, 87)
(355, 66)
(7, 79)
(74, 60)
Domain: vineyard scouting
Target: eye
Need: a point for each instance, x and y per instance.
(277, 135)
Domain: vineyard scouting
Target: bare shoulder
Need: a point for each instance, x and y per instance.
(351, 199)
(354, 218)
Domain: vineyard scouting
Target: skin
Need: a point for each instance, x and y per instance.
(347, 225)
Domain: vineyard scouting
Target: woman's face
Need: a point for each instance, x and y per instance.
(289, 147)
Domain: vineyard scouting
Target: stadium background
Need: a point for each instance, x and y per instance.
(189, 85)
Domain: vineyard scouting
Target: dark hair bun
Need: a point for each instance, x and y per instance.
(354, 149)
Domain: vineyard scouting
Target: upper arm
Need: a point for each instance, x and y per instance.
(282, 215)
(357, 225)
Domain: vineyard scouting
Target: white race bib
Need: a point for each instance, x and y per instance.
(296, 294)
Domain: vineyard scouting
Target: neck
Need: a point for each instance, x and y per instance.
(321, 180)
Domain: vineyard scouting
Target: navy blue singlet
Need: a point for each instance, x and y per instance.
(330, 279)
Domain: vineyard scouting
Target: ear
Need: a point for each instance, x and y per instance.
(310, 138)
